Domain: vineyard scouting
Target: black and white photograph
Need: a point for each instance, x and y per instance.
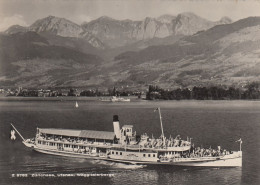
(123, 92)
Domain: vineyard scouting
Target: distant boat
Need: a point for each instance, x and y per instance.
(119, 99)
(76, 105)
(115, 99)
(105, 99)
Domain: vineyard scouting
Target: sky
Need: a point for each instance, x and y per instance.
(25, 12)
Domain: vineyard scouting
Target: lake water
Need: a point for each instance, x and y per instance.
(209, 123)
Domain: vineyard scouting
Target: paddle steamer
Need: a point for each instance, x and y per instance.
(115, 99)
(124, 145)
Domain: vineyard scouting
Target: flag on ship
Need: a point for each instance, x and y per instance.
(13, 137)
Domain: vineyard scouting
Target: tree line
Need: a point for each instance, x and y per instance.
(251, 91)
(72, 92)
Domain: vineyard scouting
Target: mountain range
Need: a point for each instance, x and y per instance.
(117, 33)
(105, 32)
(169, 51)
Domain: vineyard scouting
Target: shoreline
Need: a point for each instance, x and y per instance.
(61, 98)
(133, 99)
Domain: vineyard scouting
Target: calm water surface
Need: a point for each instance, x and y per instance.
(209, 123)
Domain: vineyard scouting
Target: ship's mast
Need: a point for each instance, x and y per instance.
(240, 144)
(159, 110)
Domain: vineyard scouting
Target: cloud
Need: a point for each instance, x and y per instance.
(6, 22)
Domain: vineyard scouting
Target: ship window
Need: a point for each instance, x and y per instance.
(144, 155)
(149, 155)
(153, 155)
(116, 153)
(112, 152)
(120, 153)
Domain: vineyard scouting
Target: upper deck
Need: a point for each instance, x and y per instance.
(123, 137)
(71, 142)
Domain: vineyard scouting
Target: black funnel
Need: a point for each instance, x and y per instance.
(115, 118)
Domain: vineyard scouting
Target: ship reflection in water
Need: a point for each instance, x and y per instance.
(187, 121)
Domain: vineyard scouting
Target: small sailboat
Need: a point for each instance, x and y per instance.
(76, 105)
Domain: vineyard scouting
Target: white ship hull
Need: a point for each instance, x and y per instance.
(66, 154)
(236, 162)
(232, 160)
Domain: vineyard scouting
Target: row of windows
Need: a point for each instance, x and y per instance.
(46, 143)
(148, 155)
(65, 145)
(117, 153)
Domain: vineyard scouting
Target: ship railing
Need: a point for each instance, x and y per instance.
(178, 159)
(164, 148)
(158, 143)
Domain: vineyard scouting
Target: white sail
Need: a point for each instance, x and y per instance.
(76, 105)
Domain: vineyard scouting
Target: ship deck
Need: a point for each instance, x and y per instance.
(118, 146)
(233, 160)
